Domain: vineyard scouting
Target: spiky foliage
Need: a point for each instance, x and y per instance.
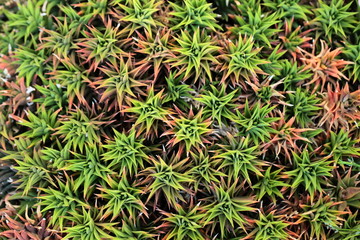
(258, 24)
(122, 198)
(62, 201)
(185, 224)
(346, 189)
(54, 96)
(255, 122)
(149, 113)
(34, 172)
(125, 153)
(139, 14)
(176, 91)
(321, 214)
(119, 81)
(27, 19)
(88, 168)
(15, 226)
(293, 39)
(192, 14)
(189, 130)
(243, 6)
(218, 104)
(325, 65)
(340, 107)
(352, 52)
(350, 229)
(204, 171)
(156, 50)
(78, 130)
(303, 106)
(266, 92)
(273, 65)
(239, 158)
(61, 41)
(269, 226)
(72, 77)
(269, 185)
(41, 125)
(341, 145)
(291, 75)
(93, 8)
(8, 41)
(289, 8)
(195, 51)
(309, 173)
(56, 158)
(31, 64)
(77, 21)
(335, 19)
(97, 45)
(240, 60)
(153, 119)
(288, 138)
(132, 231)
(167, 179)
(87, 226)
(225, 209)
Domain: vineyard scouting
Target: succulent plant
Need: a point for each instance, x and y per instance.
(189, 130)
(270, 227)
(258, 24)
(240, 60)
(194, 119)
(352, 53)
(255, 123)
(218, 104)
(335, 19)
(194, 51)
(303, 106)
(289, 8)
(122, 198)
(226, 209)
(149, 113)
(184, 224)
(62, 201)
(321, 215)
(269, 185)
(192, 14)
(125, 153)
(309, 173)
(238, 158)
(167, 179)
(139, 14)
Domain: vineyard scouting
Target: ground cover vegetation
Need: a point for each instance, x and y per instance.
(180, 119)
